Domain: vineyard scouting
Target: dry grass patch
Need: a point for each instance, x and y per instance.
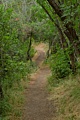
(15, 96)
(67, 99)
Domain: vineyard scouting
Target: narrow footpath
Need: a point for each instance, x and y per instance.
(38, 106)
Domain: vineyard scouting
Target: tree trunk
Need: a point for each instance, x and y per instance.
(70, 31)
(62, 39)
(66, 32)
(73, 62)
(29, 48)
(50, 45)
(1, 92)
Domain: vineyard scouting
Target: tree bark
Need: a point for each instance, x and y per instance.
(1, 92)
(70, 31)
(29, 48)
(63, 40)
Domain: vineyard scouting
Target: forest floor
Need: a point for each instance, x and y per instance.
(38, 105)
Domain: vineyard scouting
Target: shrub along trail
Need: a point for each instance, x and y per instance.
(38, 106)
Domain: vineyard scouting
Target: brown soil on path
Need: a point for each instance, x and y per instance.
(38, 105)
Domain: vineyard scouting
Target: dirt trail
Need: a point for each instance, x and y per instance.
(37, 105)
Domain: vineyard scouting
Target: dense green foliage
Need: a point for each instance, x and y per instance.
(64, 16)
(24, 22)
(60, 64)
(13, 53)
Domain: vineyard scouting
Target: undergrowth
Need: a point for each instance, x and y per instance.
(64, 87)
(12, 103)
(67, 99)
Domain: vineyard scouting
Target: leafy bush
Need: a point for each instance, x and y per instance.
(59, 64)
(13, 63)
